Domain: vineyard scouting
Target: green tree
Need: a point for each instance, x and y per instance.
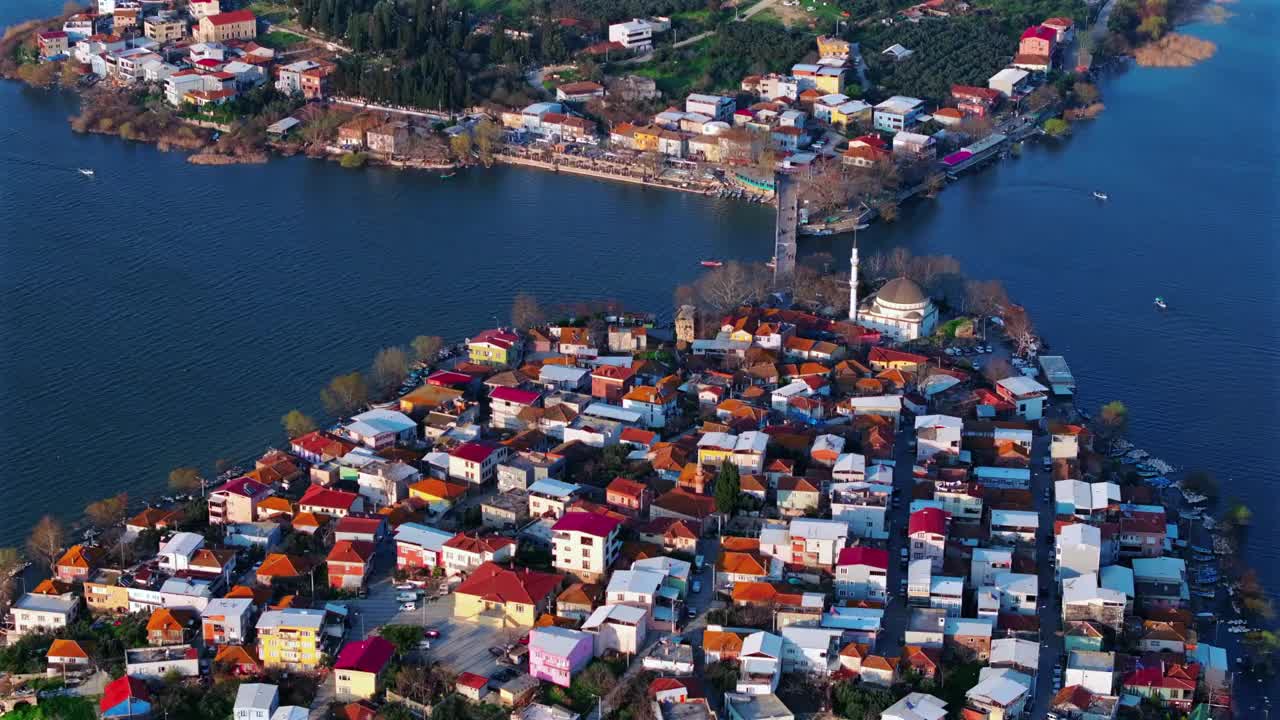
(1113, 422)
(722, 676)
(405, 638)
(390, 368)
(353, 160)
(426, 347)
(728, 488)
(185, 479)
(460, 146)
(1153, 27)
(1056, 127)
(345, 394)
(297, 424)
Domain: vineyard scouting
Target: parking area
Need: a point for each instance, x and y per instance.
(463, 646)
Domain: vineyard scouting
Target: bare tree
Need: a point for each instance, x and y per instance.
(822, 289)
(108, 511)
(997, 369)
(390, 367)
(732, 285)
(184, 479)
(525, 312)
(898, 262)
(987, 298)
(47, 539)
(426, 347)
(1017, 325)
(296, 423)
(345, 394)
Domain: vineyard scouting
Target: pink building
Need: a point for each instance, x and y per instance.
(556, 653)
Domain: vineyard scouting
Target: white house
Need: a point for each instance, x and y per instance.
(1018, 592)
(759, 664)
(635, 35)
(862, 574)
(810, 650)
(617, 627)
(863, 507)
(1014, 526)
(176, 552)
(937, 435)
(816, 542)
(585, 544)
(916, 706)
(985, 563)
(1078, 550)
(380, 428)
(1095, 671)
(41, 613)
(256, 701)
(1026, 394)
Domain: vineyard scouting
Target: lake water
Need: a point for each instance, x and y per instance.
(163, 314)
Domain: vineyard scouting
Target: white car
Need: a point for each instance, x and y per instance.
(409, 606)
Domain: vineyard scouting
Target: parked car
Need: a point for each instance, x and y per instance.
(497, 651)
(697, 586)
(430, 632)
(408, 606)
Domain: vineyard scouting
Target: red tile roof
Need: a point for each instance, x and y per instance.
(478, 545)
(875, 557)
(473, 681)
(585, 522)
(474, 451)
(245, 486)
(351, 551)
(121, 689)
(498, 584)
(930, 520)
(230, 18)
(1041, 32)
(448, 378)
(363, 525)
(369, 656)
(327, 498)
(514, 395)
(499, 337)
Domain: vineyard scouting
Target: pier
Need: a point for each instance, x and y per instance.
(784, 243)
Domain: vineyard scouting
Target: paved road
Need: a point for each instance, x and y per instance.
(894, 624)
(1049, 611)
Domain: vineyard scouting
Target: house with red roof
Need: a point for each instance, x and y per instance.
(365, 528)
(927, 536)
(585, 545)
(498, 347)
(237, 501)
(52, 44)
(76, 564)
(671, 533)
(317, 447)
(611, 382)
(629, 496)
(506, 403)
(124, 698)
(235, 25)
(862, 573)
(333, 503)
(1168, 683)
(684, 505)
(974, 100)
(476, 462)
(1035, 49)
(357, 672)
(472, 686)
(501, 596)
(67, 658)
(349, 563)
(464, 553)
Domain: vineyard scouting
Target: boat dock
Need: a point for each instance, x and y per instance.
(1056, 372)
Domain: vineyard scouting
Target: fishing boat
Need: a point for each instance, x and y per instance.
(85, 171)
(1206, 615)
(1160, 303)
(773, 263)
(446, 176)
(1100, 195)
(711, 263)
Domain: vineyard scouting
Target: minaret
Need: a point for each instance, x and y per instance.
(853, 280)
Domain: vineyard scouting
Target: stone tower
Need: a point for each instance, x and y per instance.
(686, 325)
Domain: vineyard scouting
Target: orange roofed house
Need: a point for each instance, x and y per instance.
(76, 564)
(349, 564)
(628, 496)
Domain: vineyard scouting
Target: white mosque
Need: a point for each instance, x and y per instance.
(900, 310)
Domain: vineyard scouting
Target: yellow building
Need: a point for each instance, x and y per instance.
(236, 25)
(497, 596)
(437, 493)
(103, 594)
(646, 139)
(290, 639)
(495, 347)
(357, 673)
(830, 80)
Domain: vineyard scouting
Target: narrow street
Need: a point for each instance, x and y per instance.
(1049, 595)
(894, 624)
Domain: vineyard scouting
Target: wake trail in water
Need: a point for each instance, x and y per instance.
(39, 164)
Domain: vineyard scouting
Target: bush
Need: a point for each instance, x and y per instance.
(353, 160)
(1056, 127)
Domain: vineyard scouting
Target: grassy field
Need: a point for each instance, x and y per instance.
(676, 77)
(272, 11)
(280, 39)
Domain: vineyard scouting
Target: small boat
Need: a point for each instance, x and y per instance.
(862, 226)
(85, 171)
(1160, 303)
(773, 263)
(446, 176)
(1100, 195)
(711, 263)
